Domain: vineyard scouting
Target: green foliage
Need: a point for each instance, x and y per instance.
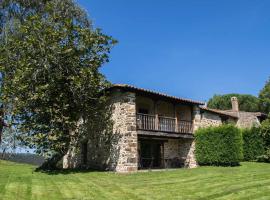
(253, 144)
(219, 146)
(265, 157)
(246, 102)
(265, 132)
(264, 97)
(50, 62)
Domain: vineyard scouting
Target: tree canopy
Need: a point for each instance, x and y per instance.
(246, 102)
(50, 59)
(264, 97)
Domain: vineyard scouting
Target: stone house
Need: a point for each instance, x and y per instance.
(241, 119)
(156, 130)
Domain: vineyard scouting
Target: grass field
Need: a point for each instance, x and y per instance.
(249, 181)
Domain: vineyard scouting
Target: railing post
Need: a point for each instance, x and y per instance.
(192, 128)
(156, 122)
(156, 116)
(176, 120)
(176, 125)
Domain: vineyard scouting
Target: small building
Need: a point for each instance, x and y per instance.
(240, 118)
(157, 130)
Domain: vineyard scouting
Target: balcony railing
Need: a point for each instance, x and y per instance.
(165, 124)
(146, 122)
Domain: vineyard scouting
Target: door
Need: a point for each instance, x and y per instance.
(150, 154)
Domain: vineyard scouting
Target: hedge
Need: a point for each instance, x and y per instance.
(265, 133)
(253, 144)
(220, 146)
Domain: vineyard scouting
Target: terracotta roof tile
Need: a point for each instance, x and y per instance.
(132, 88)
(232, 113)
(221, 112)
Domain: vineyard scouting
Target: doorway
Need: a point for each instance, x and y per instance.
(150, 154)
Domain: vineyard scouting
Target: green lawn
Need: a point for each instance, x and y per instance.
(249, 181)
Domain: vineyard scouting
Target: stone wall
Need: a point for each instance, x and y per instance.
(124, 117)
(179, 153)
(124, 157)
(72, 159)
(187, 152)
(210, 119)
(171, 149)
(172, 153)
(196, 118)
(188, 146)
(247, 120)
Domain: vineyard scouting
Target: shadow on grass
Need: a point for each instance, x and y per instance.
(66, 171)
(220, 164)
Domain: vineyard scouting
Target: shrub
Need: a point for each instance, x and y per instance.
(265, 157)
(221, 146)
(253, 144)
(265, 132)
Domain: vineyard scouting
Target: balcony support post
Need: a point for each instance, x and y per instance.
(156, 116)
(176, 120)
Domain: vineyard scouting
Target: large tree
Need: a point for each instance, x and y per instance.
(247, 102)
(50, 59)
(264, 97)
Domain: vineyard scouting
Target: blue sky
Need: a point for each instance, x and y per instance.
(187, 48)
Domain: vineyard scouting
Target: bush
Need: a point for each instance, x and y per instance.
(265, 157)
(253, 144)
(220, 146)
(265, 132)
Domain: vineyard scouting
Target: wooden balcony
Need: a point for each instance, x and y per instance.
(163, 124)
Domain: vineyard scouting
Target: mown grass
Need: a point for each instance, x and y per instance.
(248, 181)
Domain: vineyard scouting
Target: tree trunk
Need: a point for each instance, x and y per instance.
(51, 164)
(4, 153)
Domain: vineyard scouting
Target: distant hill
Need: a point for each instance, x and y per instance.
(27, 158)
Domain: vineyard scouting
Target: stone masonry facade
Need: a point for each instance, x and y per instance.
(72, 159)
(180, 152)
(177, 152)
(247, 120)
(124, 117)
(210, 119)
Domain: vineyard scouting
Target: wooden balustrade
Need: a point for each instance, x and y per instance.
(146, 122)
(165, 124)
(185, 126)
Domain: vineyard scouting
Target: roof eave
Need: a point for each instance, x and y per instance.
(141, 90)
(218, 112)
